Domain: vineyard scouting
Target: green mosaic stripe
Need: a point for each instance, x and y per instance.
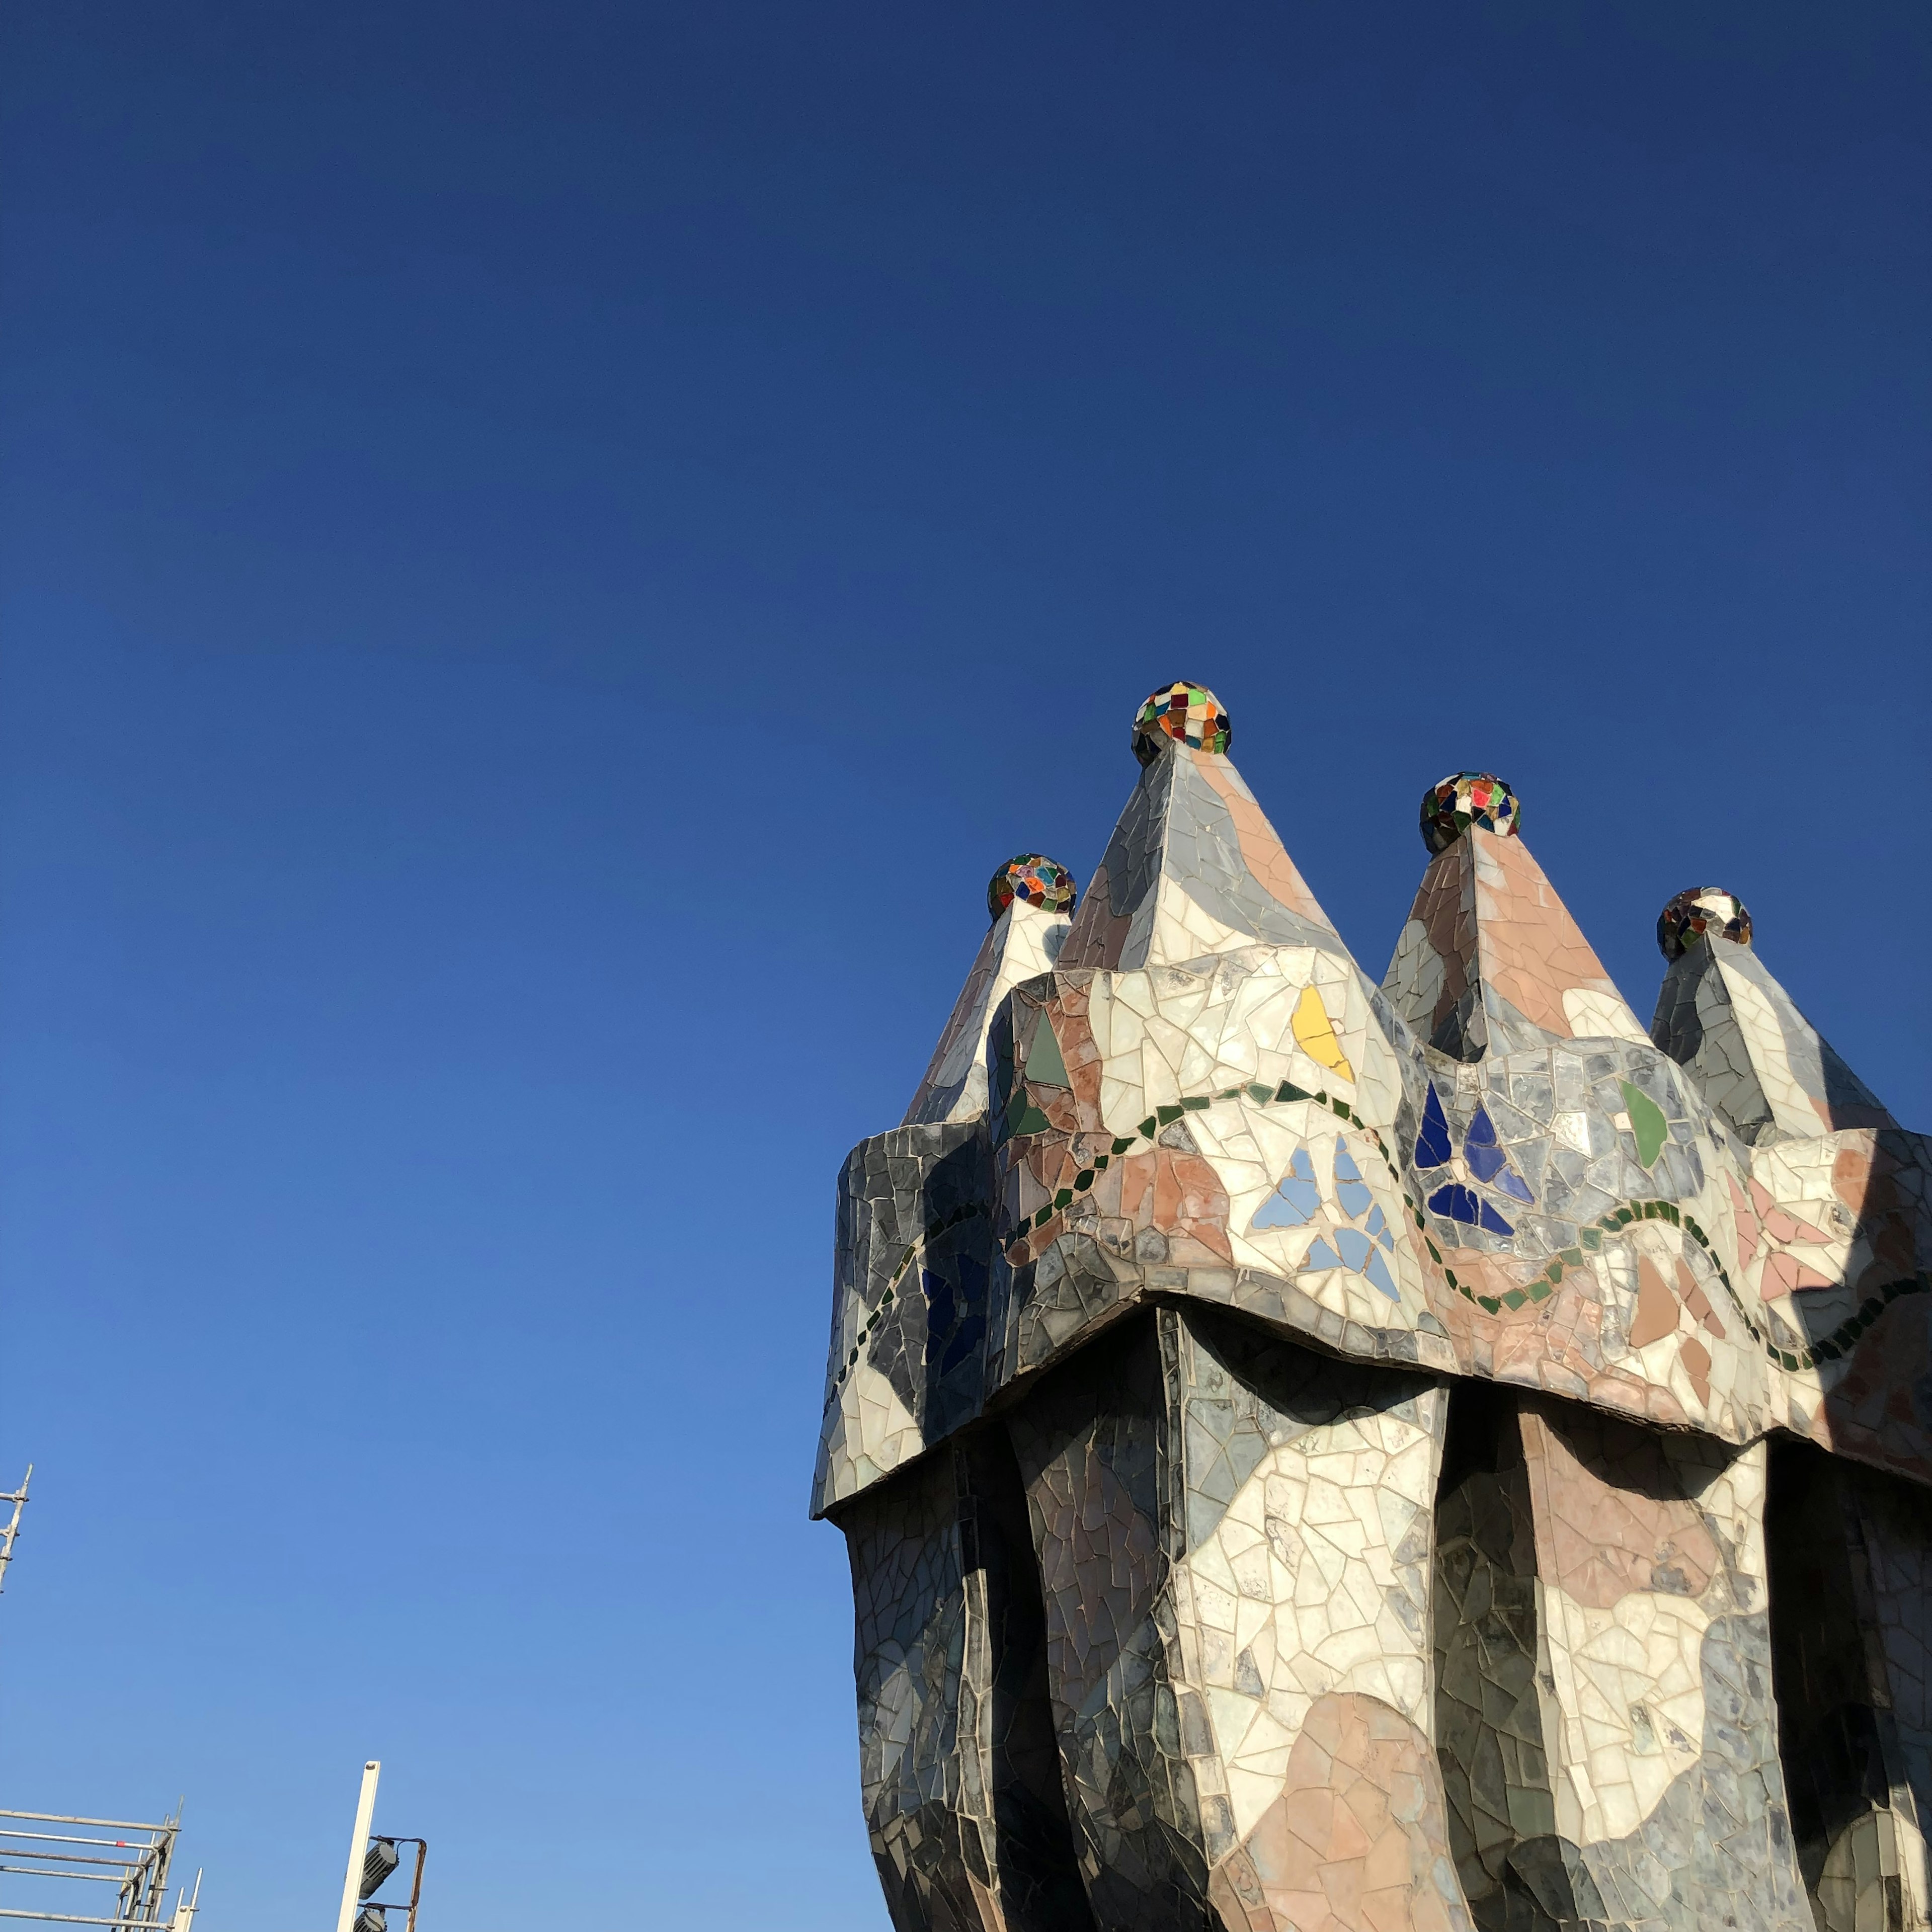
(1590, 1239)
(972, 1211)
(1149, 1130)
(1841, 1338)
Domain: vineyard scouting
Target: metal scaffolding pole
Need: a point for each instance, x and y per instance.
(137, 1867)
(138, 1870)
(18, 1497)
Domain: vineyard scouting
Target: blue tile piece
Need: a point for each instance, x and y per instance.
(1455, 1202)
(1350, 1189)
(1486, 1158)
(1432, 1144)
(1295, 1201)
(1350, 1248)
(1354, 1247)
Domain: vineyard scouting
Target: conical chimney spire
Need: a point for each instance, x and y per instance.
(1030, 898)
(1193, 867)
(1721, 1012)
(1491, 959)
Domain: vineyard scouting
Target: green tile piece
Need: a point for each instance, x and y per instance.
(1647, 1123)
(1148, 1127)
(1045, 1215)
(1045, 1065)
(1540, 1291)
(1592, 1240)
(1063, 1197)
(1166, 1116)
(1514, 1299)
(1124, 1141)
(1489, 1302)
(1195, 1102)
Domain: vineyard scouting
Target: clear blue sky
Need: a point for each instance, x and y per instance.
(545, 553)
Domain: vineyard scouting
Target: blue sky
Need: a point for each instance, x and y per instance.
(547, 552)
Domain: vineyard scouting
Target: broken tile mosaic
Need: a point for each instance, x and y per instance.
(1464, 799)
(1185, 714)
(1699, 909)
(1316, 1454)
(1034, 880)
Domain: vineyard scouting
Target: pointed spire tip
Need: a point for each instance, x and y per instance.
(1466, 799)
(1189, 714)
(1035, 880)
(1695, 913)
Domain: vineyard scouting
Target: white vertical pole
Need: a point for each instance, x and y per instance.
(359, 1846)
(186, 1907)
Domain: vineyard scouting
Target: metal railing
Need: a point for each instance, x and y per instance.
(137, 1867)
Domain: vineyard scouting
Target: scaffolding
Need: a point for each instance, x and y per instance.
(18, 1497)
(135, 1861)
(136, 1866)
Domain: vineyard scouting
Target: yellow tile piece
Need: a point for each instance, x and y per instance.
(1316, 1036)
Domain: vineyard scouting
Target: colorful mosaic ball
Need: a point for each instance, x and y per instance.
(1464, 798)
(1038, 881)
(1190, 714)
(1697, 913)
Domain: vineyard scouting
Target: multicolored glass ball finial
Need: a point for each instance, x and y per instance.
(1464, 798)
(1190, 714)
(1695, 914)
(1033, 879)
